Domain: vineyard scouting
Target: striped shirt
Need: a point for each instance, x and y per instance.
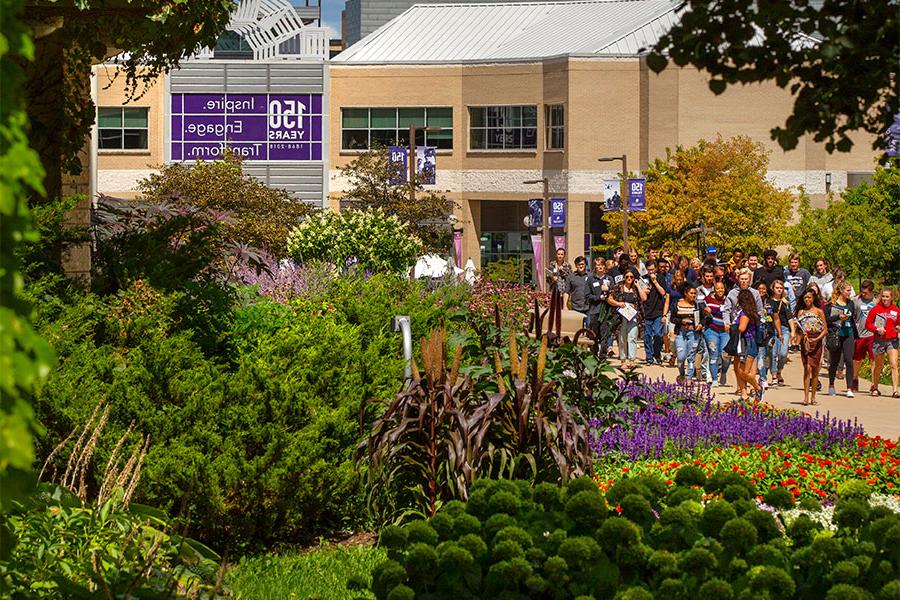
(715, 322)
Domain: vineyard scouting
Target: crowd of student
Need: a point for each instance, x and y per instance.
(738, 313)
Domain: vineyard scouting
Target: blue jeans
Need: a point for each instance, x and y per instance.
(762, 362)
(715, 341)
(653, 339)
(628, 336)
(686, 342)
(779, 353)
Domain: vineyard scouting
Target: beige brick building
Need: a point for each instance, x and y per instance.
(576, 70)
(523, 91)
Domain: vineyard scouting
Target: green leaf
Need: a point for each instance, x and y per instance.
(717, 86)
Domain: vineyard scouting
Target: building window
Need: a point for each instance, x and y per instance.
(503, 127)
(364, 128)
(122, 128)
(556, 127)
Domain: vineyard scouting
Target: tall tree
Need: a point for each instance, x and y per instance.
(721, 183)
(369, 179)
(25, 357)
(855, 237)
(845, 82)
(150, 36)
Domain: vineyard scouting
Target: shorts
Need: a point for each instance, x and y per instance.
(882, 346)
(863, 348)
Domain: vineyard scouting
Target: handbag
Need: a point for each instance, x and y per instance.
(734, 338)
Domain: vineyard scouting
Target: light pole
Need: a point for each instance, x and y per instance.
(545, 229)
(623, 192)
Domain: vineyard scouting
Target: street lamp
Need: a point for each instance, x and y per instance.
(545, 229)
(623, 192)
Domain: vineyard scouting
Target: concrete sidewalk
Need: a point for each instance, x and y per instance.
(879, 416)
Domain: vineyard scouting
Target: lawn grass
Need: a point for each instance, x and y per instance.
(319, 574)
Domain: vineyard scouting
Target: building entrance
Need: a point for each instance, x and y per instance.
(505, 244)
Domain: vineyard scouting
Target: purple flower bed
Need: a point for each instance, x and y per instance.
(651, 433)
(659, 392)
(285, 280)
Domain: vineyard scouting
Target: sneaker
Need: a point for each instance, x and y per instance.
(831, 391)
(849, 393)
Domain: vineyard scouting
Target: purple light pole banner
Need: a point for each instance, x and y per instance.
(557, 212)
(255, 126)
(637, 198)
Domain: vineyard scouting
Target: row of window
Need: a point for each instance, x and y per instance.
(490, 127)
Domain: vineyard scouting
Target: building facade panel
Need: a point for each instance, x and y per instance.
(611, 105)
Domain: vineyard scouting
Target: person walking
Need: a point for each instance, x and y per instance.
(864, 303)
(883, 322)
(796, 276)
(766, 337)
(599, 311)
(714, 332)
(811, 322)
(782, 313)
(627, 297)
(673, 295)
(685, 317)
(840, 314)
(577, 289)
(823, 279)
(744, 277)
(707, 281)
(557, 275)
(653, 314)
(746, 320)
(770, 269)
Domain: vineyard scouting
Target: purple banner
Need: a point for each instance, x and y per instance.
(892, 139)
(637, 199)
(398, 167)
(536, 212)
(256, 126)
(557, 212)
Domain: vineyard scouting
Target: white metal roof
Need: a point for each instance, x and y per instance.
(515, 31)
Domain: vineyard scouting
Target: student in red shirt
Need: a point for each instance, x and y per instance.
(883, 321)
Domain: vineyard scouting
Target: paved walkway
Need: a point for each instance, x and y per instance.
(879, 416)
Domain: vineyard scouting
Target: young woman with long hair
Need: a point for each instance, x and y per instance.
(767, 335)
(714, 331)
(674, 295)
(811, 320)
(841, 316)
(784, 329)
(686, 318)
(628, 293)
(884, 322)
(747, 318)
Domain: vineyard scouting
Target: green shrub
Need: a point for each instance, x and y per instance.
(542, 551)
(257, 447)
(64, 549)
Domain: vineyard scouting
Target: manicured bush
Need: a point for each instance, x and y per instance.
(256, 447)
(528, 547)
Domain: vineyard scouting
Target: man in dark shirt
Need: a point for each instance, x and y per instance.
(577, 288)
(599, 310)
(796, 276)
(653, 312)
(617, 273)
(769, 271)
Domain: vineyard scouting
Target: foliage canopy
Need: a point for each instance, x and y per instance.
(721, 183)
(261, 215)
(845, 82)
(369, 186)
